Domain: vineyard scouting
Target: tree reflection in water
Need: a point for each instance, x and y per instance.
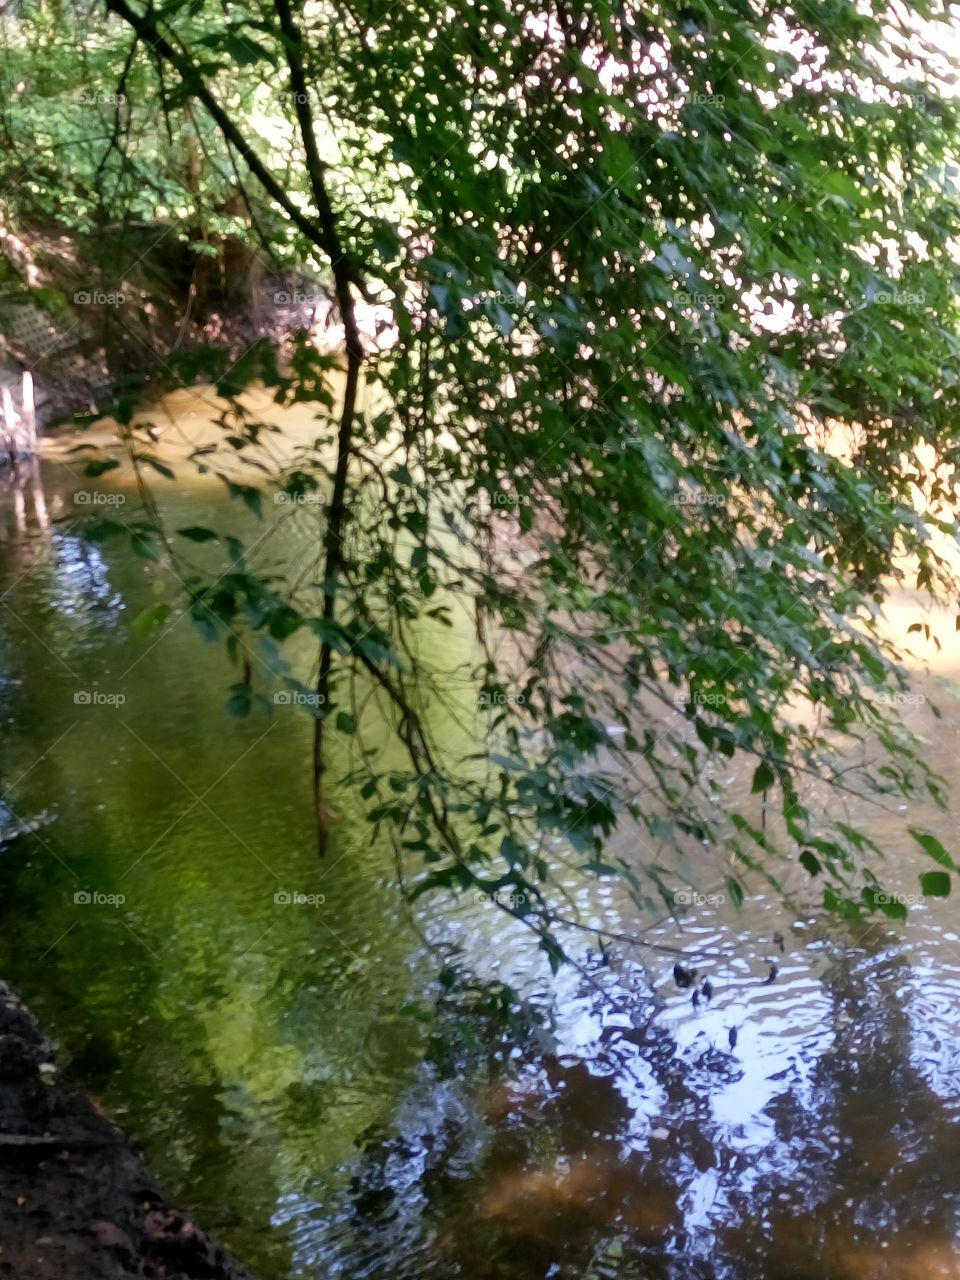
(545, 1176)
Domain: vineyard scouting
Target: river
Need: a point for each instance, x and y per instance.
(251, 1015)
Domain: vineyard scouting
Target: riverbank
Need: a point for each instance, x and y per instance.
(93, 316)
(75, 1197)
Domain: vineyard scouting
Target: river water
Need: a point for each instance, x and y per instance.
(268, 1055)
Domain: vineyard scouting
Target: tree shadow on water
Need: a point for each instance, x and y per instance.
(547, 1175)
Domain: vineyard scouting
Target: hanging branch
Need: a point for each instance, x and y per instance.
(324, 234)
(337, 514)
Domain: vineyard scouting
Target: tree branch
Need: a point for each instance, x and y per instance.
(326, 237)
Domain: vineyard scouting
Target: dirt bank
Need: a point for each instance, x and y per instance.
(76, 1202)
(93, 315)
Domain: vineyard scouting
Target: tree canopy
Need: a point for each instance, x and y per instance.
(648, 352)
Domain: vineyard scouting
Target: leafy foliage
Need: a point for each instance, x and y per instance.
(671, 400)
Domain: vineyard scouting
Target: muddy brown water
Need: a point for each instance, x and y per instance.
(261, 1050)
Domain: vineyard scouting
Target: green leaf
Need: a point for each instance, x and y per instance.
(885, 902)
(810, 862)
(505, 762)
(735, 890)
(240, 47)
(933, 848)
(148, 620)
(101, 530)
(97, 466)
(143, 545)
(195, 533)
(763, 778)
(842, 907)
(283, 622)
(240, 701)
(160, 467)
(251, 498)
(935, 884)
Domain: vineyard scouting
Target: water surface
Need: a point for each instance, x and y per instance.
(263, 1052)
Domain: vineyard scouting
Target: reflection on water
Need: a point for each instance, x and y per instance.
(261, 1050)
